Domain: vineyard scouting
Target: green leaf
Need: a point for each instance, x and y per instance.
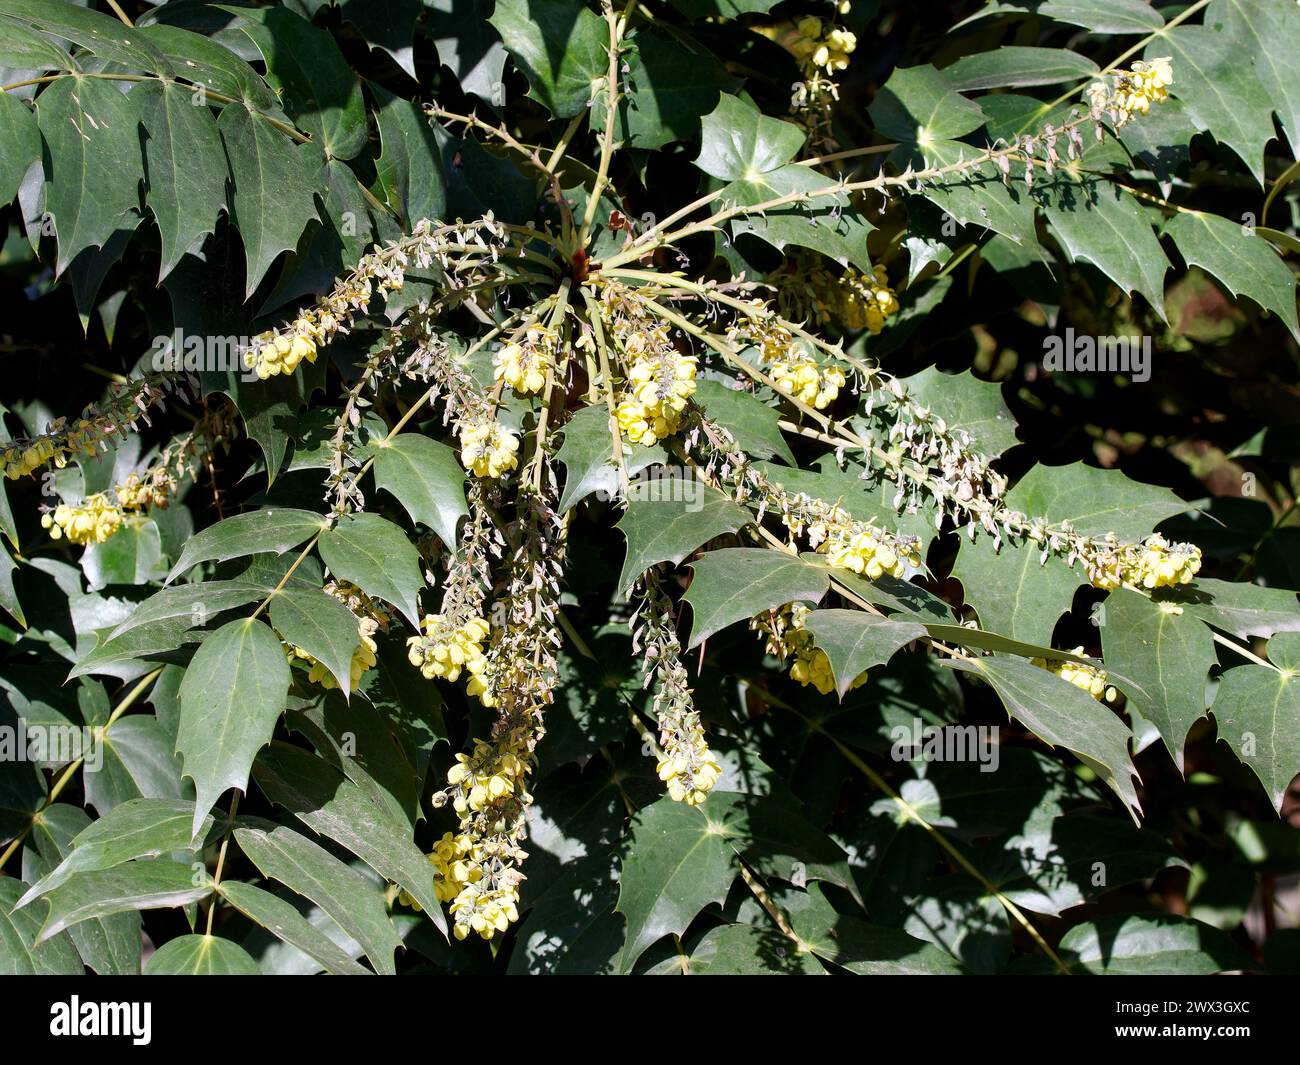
(388, 25)
(138, 828)
(676, 864)
(138, 761)
(286, 923)
(1258, 711)
(185, 169)
(101, 35)
(1014, 591)
(588, 456)
(319, 624)
(468, 45)
(148, 885)
(95, 162)
(854, 641)
(735, 583)
(1105, 16)
(1100, 223)
(560, 46)
(964, 402)
(203, 61)
(426, 477)
(1246, 264)
(133, 555)
(751, 421)
(667, 519)
(232, 695)
(1062, 715)
(1094, 501)
(18, 931)
(201, 955)
(410, 165)
(744, 950)
(1264, 35)
(919, 104)
(740, 143)
(331, 805)
(24, 49)
(978, 196)
(1244, 610)
(8, 594)
(375, 555)
(1168, 654)
(305, 67)
(1224, 95)
(20, 144)
(1017, 66)
(345, 894)
(667, 88)
(273, 188)
(1121, 944)
(273, 529)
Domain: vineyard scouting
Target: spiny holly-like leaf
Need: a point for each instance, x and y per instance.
(752, 423)
(588, 456)
(428, 480)
(274, 529)
(100, 34)
(20, 144)
(964, 402)
(201, 955)
(19, 953)
(319, 89)
(410, 166)
(854, 641)
(185, 169)
(1094, 501)
(95, 163)
(1098, 222)
(667, 519)
(1064, 716)
(1017, 66)
(151, 885)
(1265, 35)
(468, 45)
(232, 695)
(1244, 610)
(978, 196)
(740, 143)
(1245, 263)
(139, 828)
(748, 950)
(326, 802)
(918, 104)
(273, 188)
(561, 46)
(1169, 653)
(204, 61)
(1144, 944)
(1014, 591)
(321, 625)
(375, 555)
(342, 892)
(388, 25)
(740, 582)
(286, 923)
(1258, 711)
(138, 762)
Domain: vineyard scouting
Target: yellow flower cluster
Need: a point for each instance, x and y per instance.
(797, 375)
(1089, 678)
(446, 650)
(20, 461)
(485, 911)
(488, 449)
(484, 777)
(92, 521)
(866, 300)
(458, 879)
(816, 44)
(1154, 563)
(277, 353)
(660, 381)
(690, 770)
(1134, 90)
(865, 551)
(141, 493)
(524, 366)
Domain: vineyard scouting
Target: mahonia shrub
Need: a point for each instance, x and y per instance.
(655, 486)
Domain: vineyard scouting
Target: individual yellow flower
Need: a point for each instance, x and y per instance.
(488, 449)
(92, 521)
(1080, 674)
